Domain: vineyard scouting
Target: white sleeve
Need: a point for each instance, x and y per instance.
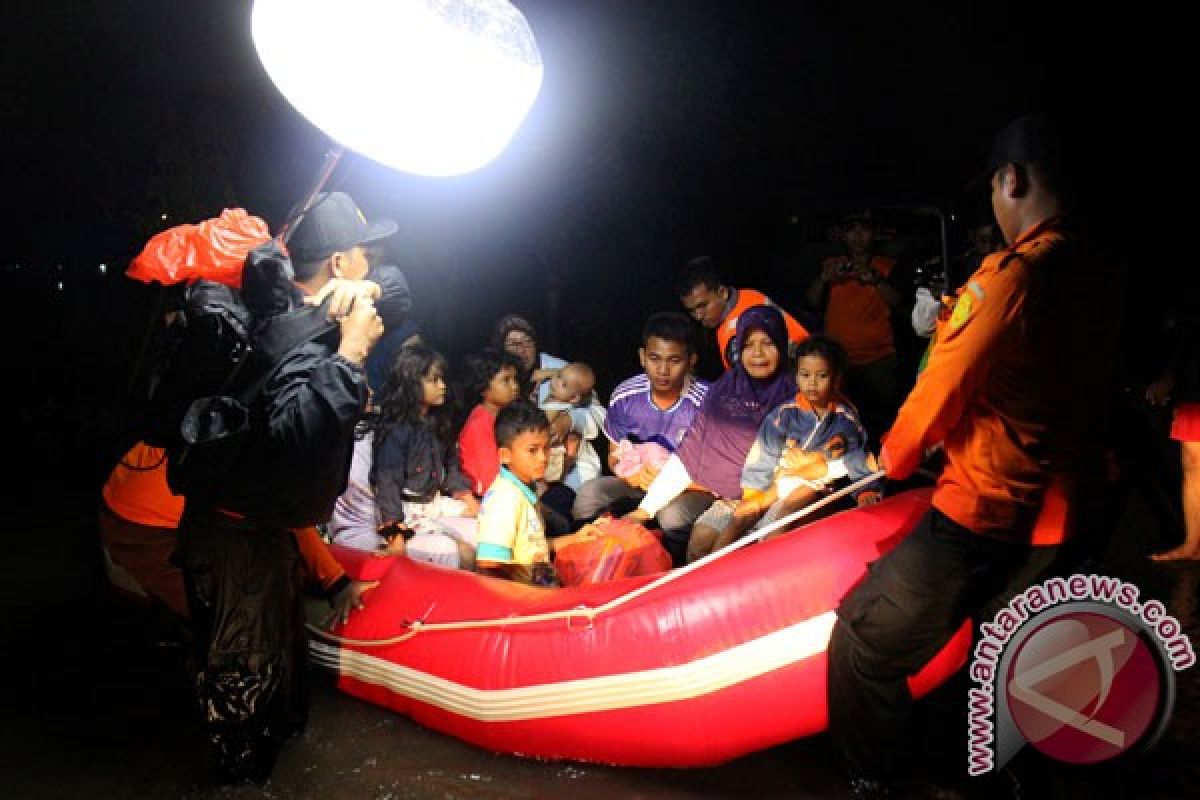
(925, 313)
(586, 420)
(672, 480)
(547, 361)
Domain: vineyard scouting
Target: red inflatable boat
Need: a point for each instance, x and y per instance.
(723, 661)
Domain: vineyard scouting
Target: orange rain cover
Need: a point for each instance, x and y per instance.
(214, 249)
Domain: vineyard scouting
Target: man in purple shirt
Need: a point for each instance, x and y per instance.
(657, 406)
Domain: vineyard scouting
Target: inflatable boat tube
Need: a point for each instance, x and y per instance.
(724, 661)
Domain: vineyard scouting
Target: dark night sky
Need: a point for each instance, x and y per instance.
(703, 112)
(663, 129)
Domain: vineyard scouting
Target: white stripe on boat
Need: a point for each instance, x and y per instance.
(582, 695)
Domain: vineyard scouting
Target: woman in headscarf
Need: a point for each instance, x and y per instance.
(711, 456)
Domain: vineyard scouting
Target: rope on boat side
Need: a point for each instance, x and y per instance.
(590, 614)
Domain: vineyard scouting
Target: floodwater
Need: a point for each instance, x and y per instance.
(95, 706)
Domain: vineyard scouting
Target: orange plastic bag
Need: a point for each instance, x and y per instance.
(214, 249)
(622, 549)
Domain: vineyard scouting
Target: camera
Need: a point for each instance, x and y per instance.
(929, 275)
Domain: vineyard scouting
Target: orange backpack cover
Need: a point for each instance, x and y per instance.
(214, 249)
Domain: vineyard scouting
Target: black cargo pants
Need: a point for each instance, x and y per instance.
(908, 607)
(244, 585)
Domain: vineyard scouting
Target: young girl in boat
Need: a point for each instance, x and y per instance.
(492, 382)
(422, 504)
(801, 447)
(712, 454)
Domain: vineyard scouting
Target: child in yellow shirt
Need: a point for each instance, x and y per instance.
(512, 536)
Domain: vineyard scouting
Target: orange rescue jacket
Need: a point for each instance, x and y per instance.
(137, 490)
(857, 317)
(1015, 388)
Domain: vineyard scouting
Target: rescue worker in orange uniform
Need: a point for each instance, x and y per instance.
(858, 299)
(1015, 390)
(138, 516)
(717, 306)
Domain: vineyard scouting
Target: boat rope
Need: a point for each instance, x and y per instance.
(588, 613)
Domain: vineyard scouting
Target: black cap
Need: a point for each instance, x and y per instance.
(1033, 137)
(333, 224)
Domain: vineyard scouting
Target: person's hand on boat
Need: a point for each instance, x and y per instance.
(883, 462)
(347, 601)
(343, 293)
(470, 503)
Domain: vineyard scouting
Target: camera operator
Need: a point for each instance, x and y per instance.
(930, 302)
(934, 297)
(858, 300)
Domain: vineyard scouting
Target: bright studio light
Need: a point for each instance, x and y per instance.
(435, 87)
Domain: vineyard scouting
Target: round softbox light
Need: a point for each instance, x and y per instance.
(434, 87)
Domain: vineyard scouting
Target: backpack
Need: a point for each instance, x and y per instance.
(199, 354)
(193, 264)
(212, 362)
(216, 426)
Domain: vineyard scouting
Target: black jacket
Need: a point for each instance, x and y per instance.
(296, 457)
(411, 465)
(298, 403)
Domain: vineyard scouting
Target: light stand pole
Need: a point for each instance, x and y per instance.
(945, 237)
(332, 157)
